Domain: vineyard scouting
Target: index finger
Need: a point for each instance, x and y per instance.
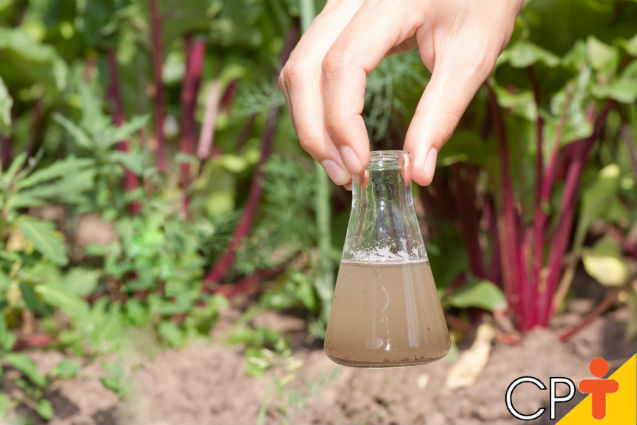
(371, 33)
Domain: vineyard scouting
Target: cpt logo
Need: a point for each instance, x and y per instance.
(597, 388)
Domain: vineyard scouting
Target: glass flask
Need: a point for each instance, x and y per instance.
(385, 310)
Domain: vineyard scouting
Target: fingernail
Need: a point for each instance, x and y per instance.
(430, 162)
(336, 173)
(350, 159)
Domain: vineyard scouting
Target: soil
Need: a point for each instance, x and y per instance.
(206, 382)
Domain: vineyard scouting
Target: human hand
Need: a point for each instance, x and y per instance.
(324, 78)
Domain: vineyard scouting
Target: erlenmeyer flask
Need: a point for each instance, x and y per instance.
(385, 310)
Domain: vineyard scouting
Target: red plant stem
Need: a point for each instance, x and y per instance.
(468, 221)
(254, 198)
(114, 93)
(38, 125)
(538, 224)
(492, 228)
(567, 208)
(228, 96)
(245, 133)
(5, 151)
(545, 188)
(194, 51)
(606, 303)
(32, 341)
(157, 50)
(243, 228)
(89, 68)
(249, 284)
(513, 270)
(206, 137)
(629, 143)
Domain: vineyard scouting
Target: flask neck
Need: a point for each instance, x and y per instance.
(383, 226)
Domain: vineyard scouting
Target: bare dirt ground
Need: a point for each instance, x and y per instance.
(206, 382)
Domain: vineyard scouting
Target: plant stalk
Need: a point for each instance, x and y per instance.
(206, 137)
(606, 303)
(194, 51)
(513, 270)
(130, 182)
(158, 97)
(216, 273)
(560, 237)
(538, 227)
(464, 198)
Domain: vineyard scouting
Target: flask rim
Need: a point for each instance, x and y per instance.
(390, 159)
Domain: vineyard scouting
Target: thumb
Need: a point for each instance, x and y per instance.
(454, 82)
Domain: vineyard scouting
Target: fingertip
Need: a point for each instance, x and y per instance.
(430, 162)
(335, 172)
(350, 159)
(424, 170)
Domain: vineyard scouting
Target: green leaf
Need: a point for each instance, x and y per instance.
(115, 381)
(26, 60)
(596, 197)
(519, 103)
(94, 121)
(5, 405)
(605, 263)
(79, 136)
(629, 45)
(31, 300)
(7, 339)
(80, 281)
(126, 130)
(24, 364)
(72, 305)
(44, 409)
(570, 117)
(171, 333)
(45, 239)
(133, 161)
(445, 267)
(5, 110)
(601, 56)
(257, 361)
(136, 313)
(622, 89)
(524, 53)
(65, 369)
(14, 168)
(466, 146)
(478, 293)
(66, 167)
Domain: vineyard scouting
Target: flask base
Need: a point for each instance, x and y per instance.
(383, 364)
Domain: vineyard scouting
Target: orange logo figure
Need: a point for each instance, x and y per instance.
(598, 388)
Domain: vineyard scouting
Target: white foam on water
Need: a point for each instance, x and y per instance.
(386, 255)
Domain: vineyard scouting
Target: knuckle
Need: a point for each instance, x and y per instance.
(334, 61)
(310, 145)
(282, 79)
(482, 60)
(292, 71)
(334, 124)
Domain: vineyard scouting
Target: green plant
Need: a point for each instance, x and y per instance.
(551, 115)
(32, 385)
(287, 394)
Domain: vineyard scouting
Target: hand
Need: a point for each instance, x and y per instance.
(324, 79)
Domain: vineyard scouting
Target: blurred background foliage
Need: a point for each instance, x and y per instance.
(150, 172)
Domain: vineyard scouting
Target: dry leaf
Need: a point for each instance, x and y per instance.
(472, 362)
